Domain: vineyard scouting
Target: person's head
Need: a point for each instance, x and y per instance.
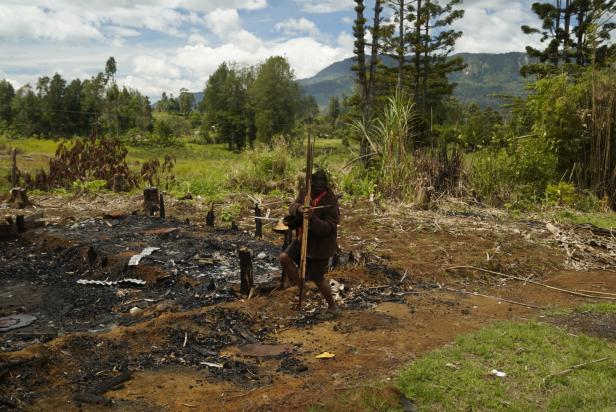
(319, 182)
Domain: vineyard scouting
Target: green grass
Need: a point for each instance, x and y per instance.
(458, 377)
(200, 169)
(603, 308)
(604, 220)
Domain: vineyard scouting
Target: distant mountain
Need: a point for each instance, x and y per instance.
(487, 74)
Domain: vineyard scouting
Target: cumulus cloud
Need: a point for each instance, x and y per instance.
(493, 26)
(63, 20)
(291, 27)
(325, 6)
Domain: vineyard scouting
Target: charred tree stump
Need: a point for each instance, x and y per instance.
(246, 276)
(8, 230)
(258, 222)
(285, 281)
(19, 198)
(161, 206)
(14, 175)
(234, 226)
(150, 200)
(209, 218)
(119, 183)
(20, 222)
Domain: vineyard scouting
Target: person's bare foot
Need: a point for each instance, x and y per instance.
(334, 311)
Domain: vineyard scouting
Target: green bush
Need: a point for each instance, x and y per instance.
(270, 168)
(358, 183)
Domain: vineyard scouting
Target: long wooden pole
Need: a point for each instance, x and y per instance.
(305, 223)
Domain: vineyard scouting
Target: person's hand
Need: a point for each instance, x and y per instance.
(306, 211)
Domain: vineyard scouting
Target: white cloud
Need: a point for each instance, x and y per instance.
(24, 21)
(77, 20)
(493, 26)
(346, 41)
(325, 6)
(292, 27)
(223, 22)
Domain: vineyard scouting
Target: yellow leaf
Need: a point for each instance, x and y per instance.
(325, 355)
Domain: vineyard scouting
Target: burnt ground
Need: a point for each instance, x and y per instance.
(594, 324)
(193, 342)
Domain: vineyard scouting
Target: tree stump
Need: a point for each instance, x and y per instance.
(161, 206)
(151, 200)
(119, 183)
(209, 218)
(14, 174)
(19, 198)
(246, 276)
(234, 226)
(285, 281)
(258, 222)
(8, 230)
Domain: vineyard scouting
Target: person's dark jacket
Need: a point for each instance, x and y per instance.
(323, 227)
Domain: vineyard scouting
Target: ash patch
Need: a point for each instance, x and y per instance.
(600, 325)
(193, 268)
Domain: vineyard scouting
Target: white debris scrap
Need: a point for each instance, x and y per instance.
(110, 283)
(134, 260)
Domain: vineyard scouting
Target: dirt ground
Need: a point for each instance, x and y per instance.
(191, 345)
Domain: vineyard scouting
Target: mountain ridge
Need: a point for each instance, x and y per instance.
(486, 74)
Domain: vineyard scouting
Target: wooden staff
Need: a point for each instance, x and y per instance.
(305, 223)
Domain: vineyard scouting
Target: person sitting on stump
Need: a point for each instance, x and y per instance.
(324, 216)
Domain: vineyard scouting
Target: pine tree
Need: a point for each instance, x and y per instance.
(573, 30)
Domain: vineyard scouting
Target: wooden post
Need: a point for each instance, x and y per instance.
(19, 198)
(246, 276)
(161, 206)
(285, 281)
(258, 222)
(209, 218)
(150, 200)
(21, 223)
(14, 176)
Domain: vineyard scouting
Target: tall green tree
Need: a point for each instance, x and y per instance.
(276, 96)
(186, 101)
(7, 92)
(225, 106)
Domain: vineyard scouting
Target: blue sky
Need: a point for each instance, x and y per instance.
(165, 45)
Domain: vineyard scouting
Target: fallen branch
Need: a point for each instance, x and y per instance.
(571, 369)
(493, 297)
(597, 292)
(570, 292)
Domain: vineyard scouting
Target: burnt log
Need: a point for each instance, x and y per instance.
(161, 206)
(151, 200)
(246, 273)
(258, 222)
(19, 198)
(209, 218)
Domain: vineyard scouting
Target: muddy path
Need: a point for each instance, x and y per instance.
(194, 343)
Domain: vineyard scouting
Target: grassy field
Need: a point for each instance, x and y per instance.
(200, 169)
(459, 377)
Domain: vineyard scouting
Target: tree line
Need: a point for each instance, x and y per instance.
(55, 108)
